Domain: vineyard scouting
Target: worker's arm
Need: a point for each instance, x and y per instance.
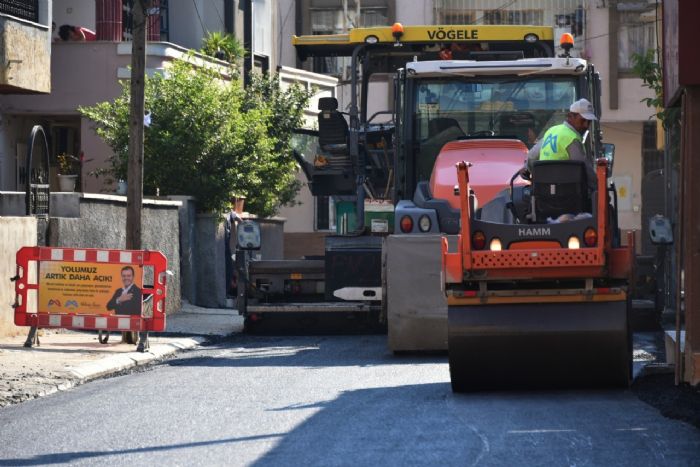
(533, 154)
(577, 153)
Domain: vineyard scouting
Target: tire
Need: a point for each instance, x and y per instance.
(130, 337)
(102, 337)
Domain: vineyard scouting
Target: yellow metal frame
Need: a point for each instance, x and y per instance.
(430, 34)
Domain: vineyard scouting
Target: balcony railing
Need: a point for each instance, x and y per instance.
(24, 9)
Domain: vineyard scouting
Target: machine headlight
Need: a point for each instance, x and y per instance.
(495, 245)
(424, 223)
(574, 243)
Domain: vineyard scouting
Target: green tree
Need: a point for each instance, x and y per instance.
(209, 137)
(651, 72)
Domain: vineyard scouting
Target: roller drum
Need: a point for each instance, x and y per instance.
(539, 345)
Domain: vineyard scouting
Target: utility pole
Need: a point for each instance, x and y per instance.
(134, 177)
(134, 180)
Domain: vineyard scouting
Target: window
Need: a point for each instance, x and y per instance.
(330, 20)
(636, 32)
(24, 9)
(563, 15)
(458, 17)
(127, 20)
(533, 17)
(164, 23)
(520, 107)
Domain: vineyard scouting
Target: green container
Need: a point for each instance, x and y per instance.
(345, 217)
(379, 210)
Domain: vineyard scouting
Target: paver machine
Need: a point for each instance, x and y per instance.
(368, 157)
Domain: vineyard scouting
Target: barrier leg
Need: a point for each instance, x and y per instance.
(143, 342)
(32, 337)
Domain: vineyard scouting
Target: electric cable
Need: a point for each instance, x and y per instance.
(201, 23)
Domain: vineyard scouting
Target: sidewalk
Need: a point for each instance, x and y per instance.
(68, 358)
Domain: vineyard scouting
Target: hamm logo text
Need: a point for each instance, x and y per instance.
(534, 232)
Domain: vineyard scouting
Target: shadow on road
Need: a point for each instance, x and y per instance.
(68, 457)
(302, 351)
(427, 425)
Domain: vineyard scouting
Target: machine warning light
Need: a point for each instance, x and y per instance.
(397, 32)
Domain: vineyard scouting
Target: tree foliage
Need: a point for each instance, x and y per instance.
(651, 72)
(210, 138)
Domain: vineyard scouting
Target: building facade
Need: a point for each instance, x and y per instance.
(681, 93)
(83, 73)
(25, 57)
(25, 70)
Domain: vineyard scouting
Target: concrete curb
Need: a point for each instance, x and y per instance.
(116, 363)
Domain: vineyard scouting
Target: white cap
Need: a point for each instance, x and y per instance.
(584, 109)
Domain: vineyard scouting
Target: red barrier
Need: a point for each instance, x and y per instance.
(73, 286)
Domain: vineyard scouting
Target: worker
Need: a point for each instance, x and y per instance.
(565, 141)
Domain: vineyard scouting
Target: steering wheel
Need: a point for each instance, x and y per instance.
(526, 175)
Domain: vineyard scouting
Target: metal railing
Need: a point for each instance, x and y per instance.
(24, 9)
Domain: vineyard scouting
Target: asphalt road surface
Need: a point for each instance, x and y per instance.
(341, 400)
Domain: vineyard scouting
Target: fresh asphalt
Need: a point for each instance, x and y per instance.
(339, 400)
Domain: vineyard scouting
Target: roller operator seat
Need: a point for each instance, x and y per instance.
(559, 187)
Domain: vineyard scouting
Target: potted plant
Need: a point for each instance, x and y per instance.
(68, 168)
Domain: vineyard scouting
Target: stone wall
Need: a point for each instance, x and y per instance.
(61, 204)
(188, 259)
(210, 264)
(102, 224)
(15, 232)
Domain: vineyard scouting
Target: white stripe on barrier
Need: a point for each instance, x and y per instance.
(54, 320)
(79, 255)
(125, 257)
(101, 323)
(123, 323)
(78, 322)
(56, 255)
(103, 256)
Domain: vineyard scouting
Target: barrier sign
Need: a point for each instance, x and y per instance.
(90, 289)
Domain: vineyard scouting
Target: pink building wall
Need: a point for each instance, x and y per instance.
(83, 74)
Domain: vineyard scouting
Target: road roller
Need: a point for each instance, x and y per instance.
(538, 297)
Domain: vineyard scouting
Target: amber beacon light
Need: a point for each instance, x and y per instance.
(397, 32)
(566, 42)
